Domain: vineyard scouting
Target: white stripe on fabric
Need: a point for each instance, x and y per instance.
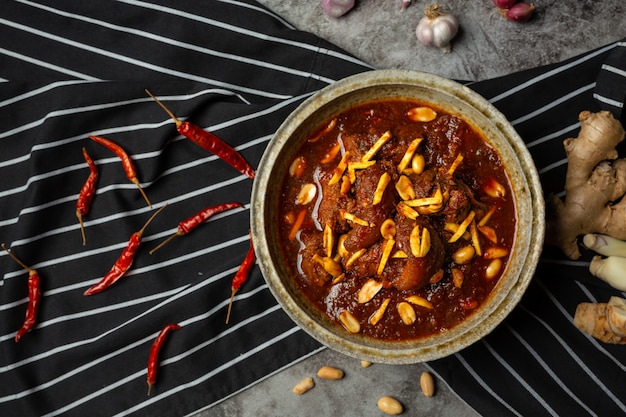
(139, 63)
(213, 372)
(73, 345)
(549, 371)
(41, 90)
(571, 129)
(554, 103)
(519, 378)
(134, 271)
(104, 106)
(243, 31)
(147, 339)
(610, 68)
(552, 166)
(551, 73)
(260, 9)
(484, 385)
(277, 371)
(48, 65)
(570, 351)
(141, 373)
(179, 44)
(608, 100)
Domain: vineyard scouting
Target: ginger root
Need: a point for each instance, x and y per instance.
(594, 185)
(604, 321)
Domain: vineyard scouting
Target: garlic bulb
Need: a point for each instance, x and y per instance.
(437, 28)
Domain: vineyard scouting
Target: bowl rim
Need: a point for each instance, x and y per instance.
(472, 329)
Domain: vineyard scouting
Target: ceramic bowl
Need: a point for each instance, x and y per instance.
(454, 98)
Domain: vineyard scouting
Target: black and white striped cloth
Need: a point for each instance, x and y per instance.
(72, 69)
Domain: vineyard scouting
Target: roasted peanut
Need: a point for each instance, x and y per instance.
(406, 312)
(496, 252)
(390, 405)
(297, 167)
(303, 386)
(494, 189)
(493, 269)
(464, 255)
(405, 189)
(332, 153)
(388, 229)
(350, 322)
(366, 364)
(457, 277)
(427, 383)
(420, 301)
(422, 114)
(329, 372)
(368, 290)
(436, 277)
(307, 194)
(418, 163)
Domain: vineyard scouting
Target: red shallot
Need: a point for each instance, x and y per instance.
(504, 4)
(519, 12)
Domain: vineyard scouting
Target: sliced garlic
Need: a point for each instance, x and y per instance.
(378, 314)
(376, 146)
(408, 155)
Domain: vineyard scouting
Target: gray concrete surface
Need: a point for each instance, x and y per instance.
(487, 46)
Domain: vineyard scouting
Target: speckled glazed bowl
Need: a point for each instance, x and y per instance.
(455, 99)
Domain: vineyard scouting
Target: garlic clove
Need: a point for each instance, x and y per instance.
(337, 8)
(437, 28)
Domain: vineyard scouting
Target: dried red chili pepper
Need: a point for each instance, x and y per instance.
(86, 193)
(241, 276)
(153, 359)
(34, 296)
(209, 142)
(127, 163)
(196, 220)
(124, 262)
